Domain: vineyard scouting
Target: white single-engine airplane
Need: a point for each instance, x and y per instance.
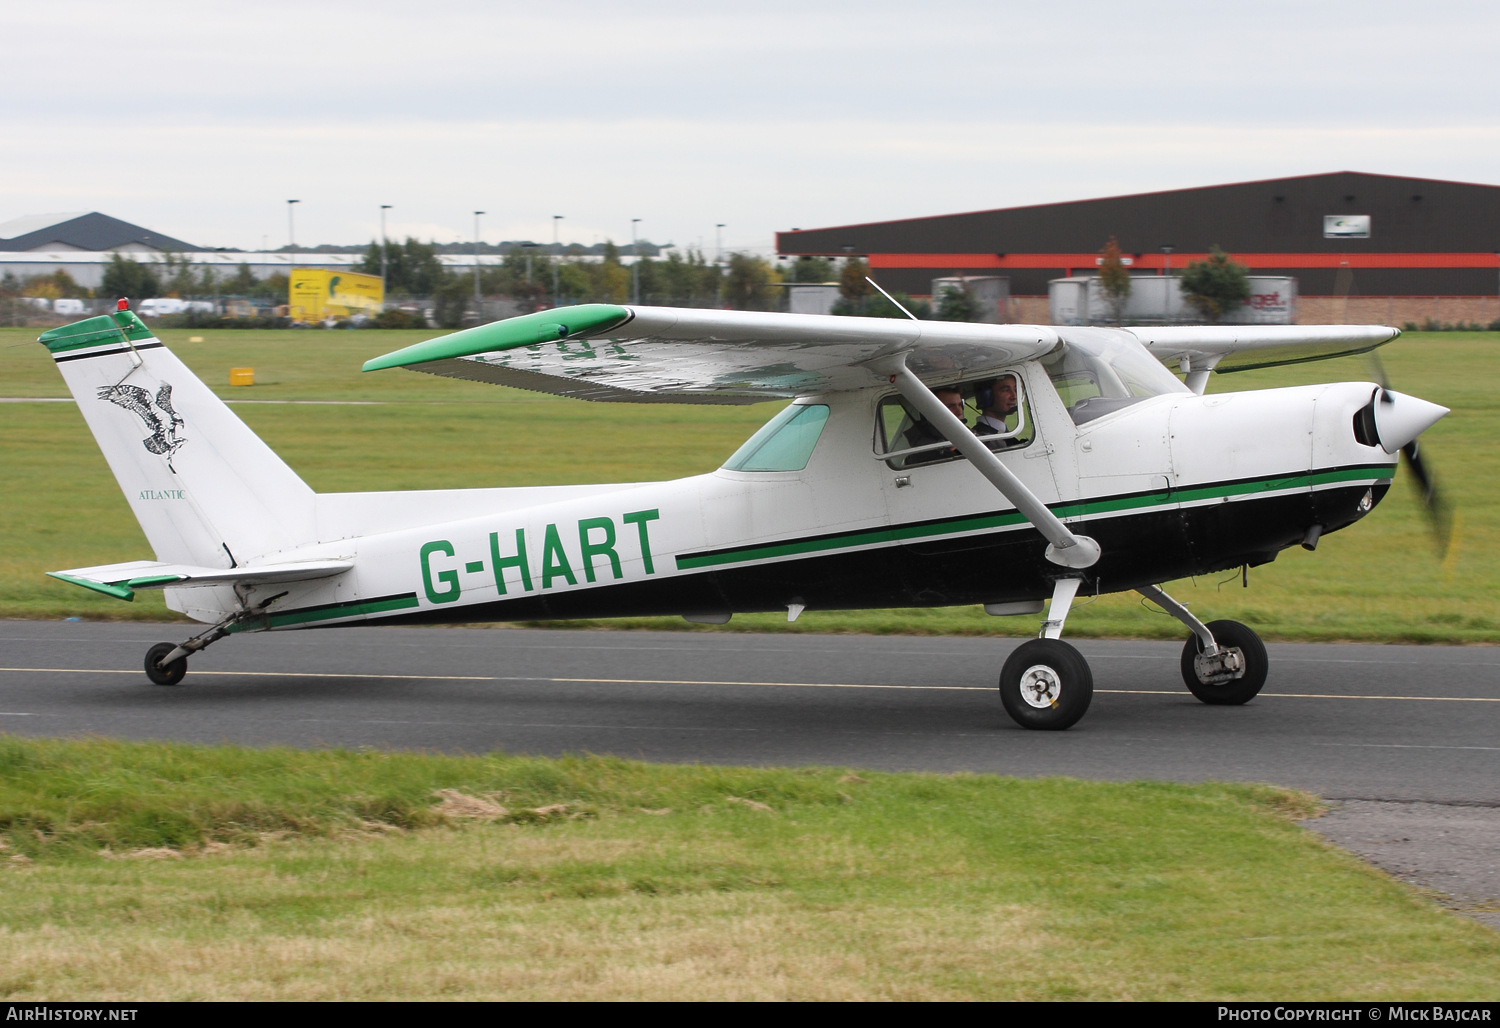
(919, 464)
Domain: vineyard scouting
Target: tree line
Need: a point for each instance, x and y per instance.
(535, 279)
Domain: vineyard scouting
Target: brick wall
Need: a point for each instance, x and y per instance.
(1396, 310)
(1335, 310)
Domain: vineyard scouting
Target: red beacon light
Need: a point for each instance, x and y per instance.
(122, 305)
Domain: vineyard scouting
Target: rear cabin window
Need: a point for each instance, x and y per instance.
(993, 409)
(785, 443)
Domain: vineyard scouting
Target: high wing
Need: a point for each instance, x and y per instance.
(121, 580)
(680, 355)
(1225, 348)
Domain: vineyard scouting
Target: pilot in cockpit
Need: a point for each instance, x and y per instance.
(996, 402)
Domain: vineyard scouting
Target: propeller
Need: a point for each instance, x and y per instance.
(1434, 503)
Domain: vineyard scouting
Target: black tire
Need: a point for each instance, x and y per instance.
(1041, 666)
(169, 675)
(1238, 690)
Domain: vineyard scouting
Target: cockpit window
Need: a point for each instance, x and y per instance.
(993, 409)
(1097, 372)
(785, 443)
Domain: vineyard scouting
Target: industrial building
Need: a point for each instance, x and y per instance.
(1361, 247)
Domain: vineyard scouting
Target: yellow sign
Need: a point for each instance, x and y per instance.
(316, 294)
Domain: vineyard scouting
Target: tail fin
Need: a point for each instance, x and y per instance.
(204, 487)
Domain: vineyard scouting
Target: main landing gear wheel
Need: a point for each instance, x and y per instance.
(172, 673)
(1226, 688)
(1046, 685)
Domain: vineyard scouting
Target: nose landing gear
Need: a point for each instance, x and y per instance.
(1224, 663)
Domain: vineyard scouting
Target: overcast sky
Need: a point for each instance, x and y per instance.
(202, 119)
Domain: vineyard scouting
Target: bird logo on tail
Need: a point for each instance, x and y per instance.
(162, 422)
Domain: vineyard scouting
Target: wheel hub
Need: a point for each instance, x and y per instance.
(1041, 686)
(1225, 666)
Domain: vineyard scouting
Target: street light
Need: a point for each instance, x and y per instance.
(719, 262)
(555, 262)
(291, 242)
(384, 250)
(635, 267)
(1166, 303)
(476, 258)
(291, 230)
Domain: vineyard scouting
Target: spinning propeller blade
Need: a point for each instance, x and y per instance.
(1434, 504)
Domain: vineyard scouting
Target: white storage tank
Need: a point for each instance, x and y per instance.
(1158, 299)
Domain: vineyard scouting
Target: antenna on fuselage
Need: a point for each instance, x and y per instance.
(891, 298)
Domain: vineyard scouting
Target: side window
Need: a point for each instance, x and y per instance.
(785, 443)
(993, 409)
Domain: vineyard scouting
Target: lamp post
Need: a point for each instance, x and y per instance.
(555, 255)
(384, 250)
(476, 259)
(1166, 303)
(719, 243)
(291, 242)
(635, 267)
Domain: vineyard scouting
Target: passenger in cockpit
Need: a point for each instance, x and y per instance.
(923, 432)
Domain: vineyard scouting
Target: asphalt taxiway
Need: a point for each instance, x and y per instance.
(1404, 739)
(1395, 723)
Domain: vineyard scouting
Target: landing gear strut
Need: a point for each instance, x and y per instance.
(1046, 684)
(166, 663)
(1224, 663)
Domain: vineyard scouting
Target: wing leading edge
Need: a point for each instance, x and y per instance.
(680, 355)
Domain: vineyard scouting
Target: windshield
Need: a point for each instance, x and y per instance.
(1100, 370)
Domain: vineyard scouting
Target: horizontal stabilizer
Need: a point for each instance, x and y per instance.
(1225, 348)
(121, 580)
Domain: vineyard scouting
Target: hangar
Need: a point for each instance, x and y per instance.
(1363, 247)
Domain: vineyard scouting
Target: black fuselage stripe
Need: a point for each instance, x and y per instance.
(104, 353)
(936, 522)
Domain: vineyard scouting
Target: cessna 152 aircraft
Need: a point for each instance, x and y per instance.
(918, 464)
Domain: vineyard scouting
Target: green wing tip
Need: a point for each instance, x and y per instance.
(526, 330)
(119, 592)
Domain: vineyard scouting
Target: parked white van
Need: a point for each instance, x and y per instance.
(157, 306)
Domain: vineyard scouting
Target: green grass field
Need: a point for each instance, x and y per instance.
(1377, 581)
(169, 872)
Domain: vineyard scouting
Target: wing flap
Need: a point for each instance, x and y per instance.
(121, 580)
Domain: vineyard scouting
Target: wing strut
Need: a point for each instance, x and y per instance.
(1067, 549)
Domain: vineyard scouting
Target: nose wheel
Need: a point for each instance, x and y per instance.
(1236, 676)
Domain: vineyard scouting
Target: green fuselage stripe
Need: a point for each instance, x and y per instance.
(1110, 505)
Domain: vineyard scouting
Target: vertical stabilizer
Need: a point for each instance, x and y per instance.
(206, 490)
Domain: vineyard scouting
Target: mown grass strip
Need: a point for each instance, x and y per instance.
(166, 871)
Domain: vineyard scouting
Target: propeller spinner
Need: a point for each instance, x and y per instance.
(1398, 420)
